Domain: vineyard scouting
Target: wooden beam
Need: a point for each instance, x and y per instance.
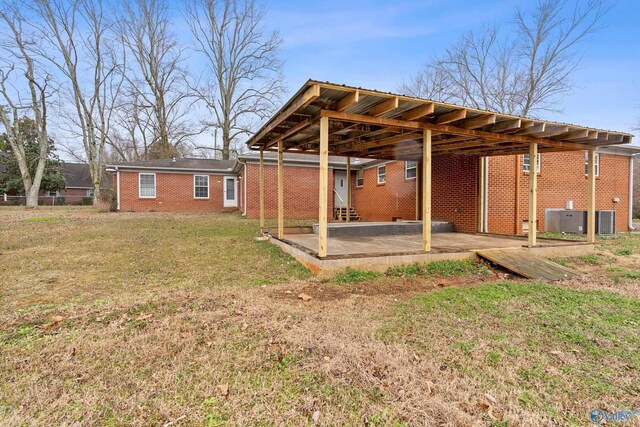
(478, 122)
(391, 140)
(533, 194)
(506, 125)
(419, 112)
(291, 131)
(591, 202)
(426, 191)
(452, 116)
(570, 135)
(310, 95)
(348, 101)
(453, 130)
(384, 107)
(533, 129)
(280, 192)
(348, 189)
(323, 187)
(481, 194)
(261, 188)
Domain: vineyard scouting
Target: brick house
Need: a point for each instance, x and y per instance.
(381, 190)
(177, 185)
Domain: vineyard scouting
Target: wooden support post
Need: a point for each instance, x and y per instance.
(323, 187)
(418, 190)
(280, 193)
(481, 194)
(533, 193)
(426, 191)
(261, 188)
(348, 189)
(591, 203)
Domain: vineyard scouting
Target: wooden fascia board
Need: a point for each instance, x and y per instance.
(448, 129)
(305, 99)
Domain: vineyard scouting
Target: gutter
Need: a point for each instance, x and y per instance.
(188, 170)
(485, 222)
(244, 192)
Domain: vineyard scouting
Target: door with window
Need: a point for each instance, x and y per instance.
(340, 193)
(230, 187)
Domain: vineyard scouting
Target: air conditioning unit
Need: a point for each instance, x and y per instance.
(605, 222)
(575, 222)
(564, 221)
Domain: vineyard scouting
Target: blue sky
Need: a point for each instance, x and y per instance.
(377, 44)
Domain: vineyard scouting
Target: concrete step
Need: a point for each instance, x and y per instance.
(363, 229)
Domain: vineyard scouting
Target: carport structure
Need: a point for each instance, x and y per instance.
(329, 119)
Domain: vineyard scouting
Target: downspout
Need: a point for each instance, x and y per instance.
(516, 221)
(118, 188)
(486, 195)
(244, 193)
(631, 227)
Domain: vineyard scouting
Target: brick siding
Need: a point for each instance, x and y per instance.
(396, 198)
(561, 178)
(301, 196)
(174, 193)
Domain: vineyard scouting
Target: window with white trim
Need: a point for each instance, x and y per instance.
(201, 186)
(526, 167)
(52, 193)
(410, 170)
(88, 192)
(359, 178)
(147, 185)
(382, 174)
(586, 163)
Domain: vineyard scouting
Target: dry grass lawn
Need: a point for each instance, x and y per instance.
(166, 319)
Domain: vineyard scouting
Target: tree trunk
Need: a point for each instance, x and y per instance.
(96, 193)
(32, 196)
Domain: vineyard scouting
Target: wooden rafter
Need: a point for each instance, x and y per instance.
(348, 101)
(419, 112)
(384, 107)
(452, 116)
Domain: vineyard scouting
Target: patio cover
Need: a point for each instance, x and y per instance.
(369, 123)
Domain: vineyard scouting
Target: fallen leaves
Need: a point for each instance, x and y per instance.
(305, 297)
(55, 321)
(223, 390)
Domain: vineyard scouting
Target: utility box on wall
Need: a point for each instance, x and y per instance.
(575, 222)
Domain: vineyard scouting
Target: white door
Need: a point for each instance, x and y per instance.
(230, 190)
(340, 193)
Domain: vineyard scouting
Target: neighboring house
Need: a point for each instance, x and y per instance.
(381, 190)
(78, 186)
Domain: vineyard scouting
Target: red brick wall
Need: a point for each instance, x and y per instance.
(301, 191)
(174, 193)
(383, 202)
(454, 191)
(636, 187)
(561, 178)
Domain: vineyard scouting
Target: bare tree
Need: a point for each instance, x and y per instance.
(523, 72)
(157, 76)
(19, 60)
(243, 61)
(76, 39)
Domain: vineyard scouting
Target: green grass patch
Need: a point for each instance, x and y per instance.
(443, 268)
(592, 259)
(619, 273)
(552, 341)
(42, 219)
(355, 276)
(560, 236)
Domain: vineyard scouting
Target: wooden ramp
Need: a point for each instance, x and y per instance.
(525, 264)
